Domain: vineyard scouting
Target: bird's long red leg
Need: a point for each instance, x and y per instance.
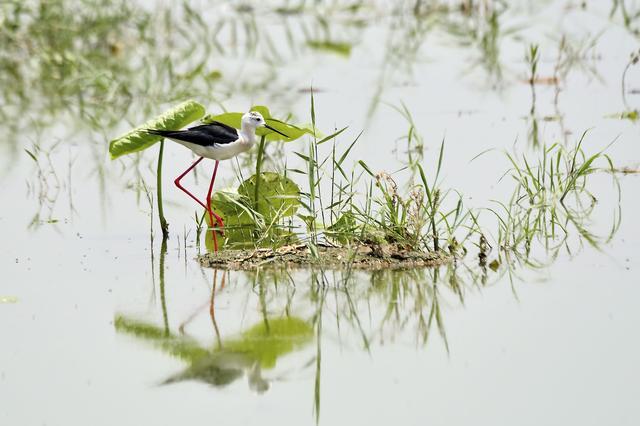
(210, 209)
(177, 182)
(186, 191)
(207, 207)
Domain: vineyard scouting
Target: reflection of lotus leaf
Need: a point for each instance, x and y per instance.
(267, 341)
(278, 195)
(258, 347)
(137, 139)
(234, 119)
(183, 348)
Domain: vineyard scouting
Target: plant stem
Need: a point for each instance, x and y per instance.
(258, 172)
(163, 222)
(163, 301)
(312, 192)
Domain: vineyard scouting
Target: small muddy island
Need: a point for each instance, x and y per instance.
(365, 257)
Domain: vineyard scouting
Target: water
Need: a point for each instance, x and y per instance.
(548, 345)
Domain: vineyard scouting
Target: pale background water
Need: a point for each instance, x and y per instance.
(557, 346)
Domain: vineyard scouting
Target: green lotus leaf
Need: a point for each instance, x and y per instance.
(237, 218)
(277, 196)
(138, 139)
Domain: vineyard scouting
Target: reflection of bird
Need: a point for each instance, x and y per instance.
(222, 368)
(217, 369)
(255, 350)
(216, 141)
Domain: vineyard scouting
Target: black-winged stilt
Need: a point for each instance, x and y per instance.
(216, 141)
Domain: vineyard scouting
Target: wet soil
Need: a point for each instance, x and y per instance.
(365, 257)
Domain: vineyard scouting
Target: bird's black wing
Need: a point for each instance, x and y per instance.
(214, 133)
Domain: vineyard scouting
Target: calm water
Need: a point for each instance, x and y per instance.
(88, 298)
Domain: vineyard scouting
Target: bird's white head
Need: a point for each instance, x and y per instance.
(252, 120)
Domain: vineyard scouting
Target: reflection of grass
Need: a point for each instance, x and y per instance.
(532, 56)
(68, 54)
(46, 185)
(629, 17)
(107, 63)
(483, 30)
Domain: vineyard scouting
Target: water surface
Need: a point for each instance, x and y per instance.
(88, 298)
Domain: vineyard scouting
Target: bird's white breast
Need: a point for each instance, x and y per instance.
(219, 151)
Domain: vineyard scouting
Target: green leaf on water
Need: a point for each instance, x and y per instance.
(138, 139)
(279, 195)
(339, 48)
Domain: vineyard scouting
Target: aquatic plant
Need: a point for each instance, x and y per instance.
(549, 197)
(139, 139)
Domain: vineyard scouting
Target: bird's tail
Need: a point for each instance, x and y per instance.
(159, 132)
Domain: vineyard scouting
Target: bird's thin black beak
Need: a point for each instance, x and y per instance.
(274, 130)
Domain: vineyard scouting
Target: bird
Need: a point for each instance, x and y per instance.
(216, 141)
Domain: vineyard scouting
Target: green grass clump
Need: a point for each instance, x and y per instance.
(551, 199)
